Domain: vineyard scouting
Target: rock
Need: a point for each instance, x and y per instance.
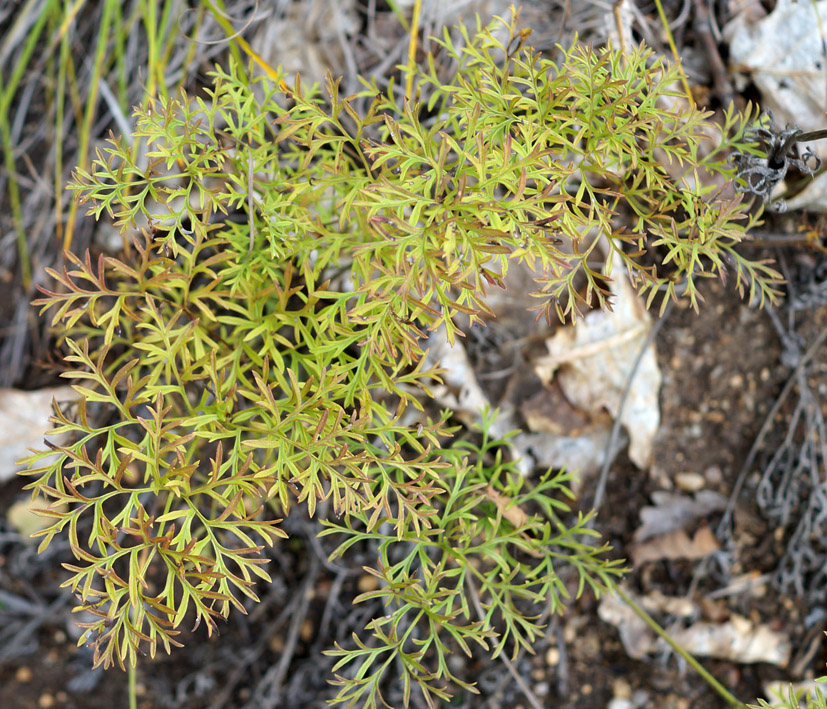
(689, 481)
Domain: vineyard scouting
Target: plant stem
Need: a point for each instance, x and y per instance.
(133, 687)
(675, 55)
(797, 137)
(812, 135)
(697, 666)
(417, 9)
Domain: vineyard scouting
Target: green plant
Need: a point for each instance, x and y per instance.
(813, 698)
(262, 344)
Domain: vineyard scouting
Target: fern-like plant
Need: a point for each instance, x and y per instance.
(261, 343)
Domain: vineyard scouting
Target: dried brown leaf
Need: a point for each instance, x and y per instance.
(675, 545)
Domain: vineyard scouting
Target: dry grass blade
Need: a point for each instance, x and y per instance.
(59, 58)
(91, 108)
(7, 94)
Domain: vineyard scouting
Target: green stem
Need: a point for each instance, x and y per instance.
(671, 40)
(411, 67)
(133, 688)
(697, 666)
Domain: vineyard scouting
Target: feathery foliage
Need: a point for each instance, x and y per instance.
(262, 344)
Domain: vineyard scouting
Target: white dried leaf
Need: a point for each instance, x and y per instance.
(24, 421)
(813, 197)
(783, 55)
(737, 640)
(808, 689)
(460, 392)
(584, 453)
(638, 638)
(671, 512)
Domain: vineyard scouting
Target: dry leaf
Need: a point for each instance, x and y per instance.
(813, 197)
(23, 517)
(548, 411)
(559, 435)
(675, 545)
(506, 507)
(737, 640)
(679, 606)
(808, 689)
(24, 421)
(782, 54)
(584, 453)
(307, 39)
(513, 513)
(460, 392)
(563, 436)
(638, 638)
(752, 10)
(595, 357)
(672, 512)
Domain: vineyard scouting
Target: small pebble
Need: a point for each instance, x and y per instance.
(622, 689)
(24, 674)
(713, 475)
(46, 701)
(552, 656)
(640, 698)
(689, 481)
(716, 416)
(661, 477)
